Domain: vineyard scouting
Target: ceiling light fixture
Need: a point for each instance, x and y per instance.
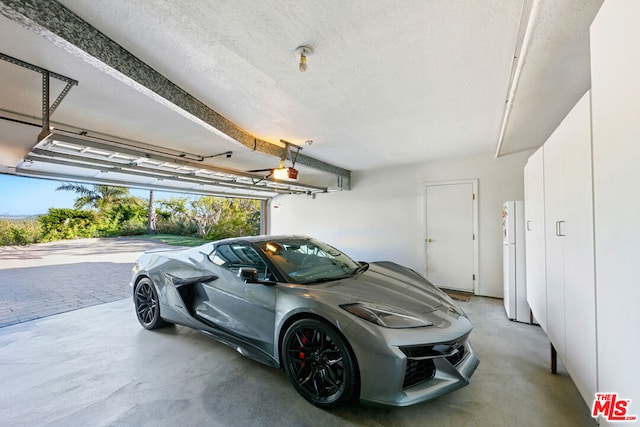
(303, 52)
(285, 174)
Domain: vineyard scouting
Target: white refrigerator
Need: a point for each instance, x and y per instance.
(513, 262)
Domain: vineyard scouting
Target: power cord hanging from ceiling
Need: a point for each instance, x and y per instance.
(200, 158)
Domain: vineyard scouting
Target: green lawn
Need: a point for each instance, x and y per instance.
(170, 239)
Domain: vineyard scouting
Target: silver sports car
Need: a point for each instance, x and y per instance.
(340, 329)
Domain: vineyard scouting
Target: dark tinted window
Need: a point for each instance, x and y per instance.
(236, 256)
(308, 261)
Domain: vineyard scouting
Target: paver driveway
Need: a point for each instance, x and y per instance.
(50, 278)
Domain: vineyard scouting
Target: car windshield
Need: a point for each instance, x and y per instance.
(309, 261)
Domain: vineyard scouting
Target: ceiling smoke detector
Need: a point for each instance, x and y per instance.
(303, 52)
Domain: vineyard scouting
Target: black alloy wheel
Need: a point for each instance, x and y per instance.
(145, 299)
(319, 363)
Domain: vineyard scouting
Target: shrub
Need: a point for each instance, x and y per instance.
(68, 224)
(22, 231)
(176, 226)
(218, 218)
(132, 227)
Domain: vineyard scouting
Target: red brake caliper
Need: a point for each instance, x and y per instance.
(301, 354)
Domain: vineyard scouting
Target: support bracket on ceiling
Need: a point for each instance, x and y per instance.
(47, 108)
(288, 152)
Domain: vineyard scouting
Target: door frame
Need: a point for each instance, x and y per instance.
(476, 254)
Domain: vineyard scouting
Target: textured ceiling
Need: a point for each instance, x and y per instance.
(389, 83)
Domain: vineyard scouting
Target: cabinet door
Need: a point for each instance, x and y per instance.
(554, 253)
(569, 245)
(579, 276)
(615, 70)
(535, 238)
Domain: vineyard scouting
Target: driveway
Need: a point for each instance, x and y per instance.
(50, 278)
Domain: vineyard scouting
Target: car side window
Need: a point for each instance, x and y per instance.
(236, 256)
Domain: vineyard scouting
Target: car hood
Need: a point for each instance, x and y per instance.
(388, 287)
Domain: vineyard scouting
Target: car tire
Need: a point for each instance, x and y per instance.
(319, 363)
(147, 305)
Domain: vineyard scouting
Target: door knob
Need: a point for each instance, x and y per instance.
(429, 240)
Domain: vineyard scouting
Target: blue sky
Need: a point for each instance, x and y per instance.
(31, 196)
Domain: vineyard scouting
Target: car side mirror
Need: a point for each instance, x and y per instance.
(249, 275)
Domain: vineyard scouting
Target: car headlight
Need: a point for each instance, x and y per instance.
(385, 316)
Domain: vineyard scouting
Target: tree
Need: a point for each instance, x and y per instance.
(216, 217)
(152, 223)
(100, 197)
(118, 211)
(240, 217)
(205, 212)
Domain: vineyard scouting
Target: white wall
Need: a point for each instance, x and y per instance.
(382, 217)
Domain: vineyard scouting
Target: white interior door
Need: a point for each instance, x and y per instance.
(450, 235)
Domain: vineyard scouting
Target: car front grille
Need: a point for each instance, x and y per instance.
(420, 366)
(418, 371)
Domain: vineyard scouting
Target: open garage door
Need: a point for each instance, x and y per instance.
(66, 156)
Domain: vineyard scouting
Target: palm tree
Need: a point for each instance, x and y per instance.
(100, 197)
(152, 220)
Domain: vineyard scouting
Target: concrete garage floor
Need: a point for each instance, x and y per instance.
(96, 366)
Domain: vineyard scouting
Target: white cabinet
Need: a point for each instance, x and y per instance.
(590, 177)
(554, 247)
(566, 207)
(570, 243)
(615, 65)
(535, 237)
